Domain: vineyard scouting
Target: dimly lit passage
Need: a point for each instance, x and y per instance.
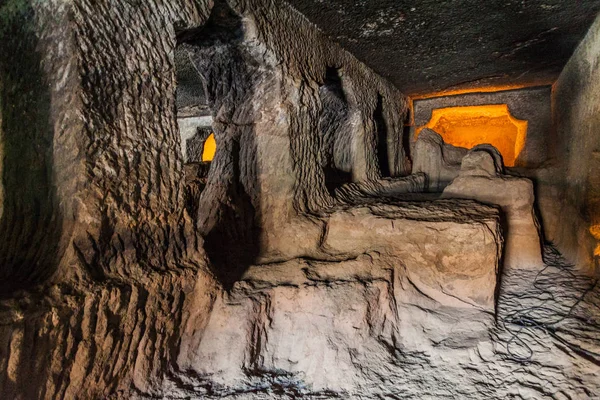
(299, 199)
(470, 126)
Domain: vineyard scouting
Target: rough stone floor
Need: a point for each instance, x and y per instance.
(545, 344)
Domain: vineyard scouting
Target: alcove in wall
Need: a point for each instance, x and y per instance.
(194, 119)
(216, 82)
(335, 131)
(470, 126)
(516, 121)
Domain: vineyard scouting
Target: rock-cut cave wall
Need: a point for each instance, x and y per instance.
(102, 268)
(292, 123)
(306, 264)
(97, 253)
(576, 108)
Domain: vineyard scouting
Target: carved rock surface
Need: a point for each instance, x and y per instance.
(451, 257)
(105, 282)
(439, 161)
(360, 328)
(387, 188)
(118, 336)
(125, 275)
(479, 180)
(318, 327)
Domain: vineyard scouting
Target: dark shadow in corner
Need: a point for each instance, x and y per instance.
(500, 272)
(381, 134)
(407, 131)
(537, 214)
(226, 212)
(232, 244)
(30, 225)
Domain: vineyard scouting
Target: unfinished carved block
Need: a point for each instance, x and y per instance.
(439, 161)
(479, 179)
(450, 250)
(322, 327)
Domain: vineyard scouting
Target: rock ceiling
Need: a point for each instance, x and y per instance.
(425, 46)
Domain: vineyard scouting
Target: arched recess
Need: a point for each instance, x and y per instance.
(469, 126)
(31, 226)
(382, 138)
(335, 131)
(225, 80)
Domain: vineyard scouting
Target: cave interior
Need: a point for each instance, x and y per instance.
(255, 199)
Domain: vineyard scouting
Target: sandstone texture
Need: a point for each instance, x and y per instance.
(479, 179)
(451, 257)
(266, 338)
(306, 326)
(573, 186)
(439, 161)
(312, 257)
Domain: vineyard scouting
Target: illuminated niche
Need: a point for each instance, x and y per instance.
(595, 231)
(210, 147)
(473, 125)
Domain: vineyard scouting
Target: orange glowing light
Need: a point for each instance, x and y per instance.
(595, 231)
(482, 89)
(210, 147)
(473, 125)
